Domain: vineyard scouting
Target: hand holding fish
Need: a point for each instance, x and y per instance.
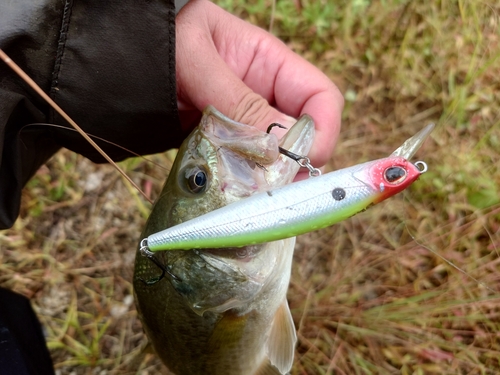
(250, 76)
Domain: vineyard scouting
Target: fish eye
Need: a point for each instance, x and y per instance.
(395, 175)
(196, 180)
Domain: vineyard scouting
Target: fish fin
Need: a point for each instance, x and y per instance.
(268, 369)
(282, 339)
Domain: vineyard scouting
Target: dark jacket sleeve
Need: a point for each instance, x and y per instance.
(109, 64)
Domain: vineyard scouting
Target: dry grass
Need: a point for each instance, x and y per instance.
(374, 295)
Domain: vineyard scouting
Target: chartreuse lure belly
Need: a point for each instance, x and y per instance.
(299, 207)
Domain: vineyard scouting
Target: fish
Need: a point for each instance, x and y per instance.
(221, 311)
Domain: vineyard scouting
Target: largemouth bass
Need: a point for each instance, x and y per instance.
(221, 311)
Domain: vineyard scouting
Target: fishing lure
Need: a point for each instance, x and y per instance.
(296, 208)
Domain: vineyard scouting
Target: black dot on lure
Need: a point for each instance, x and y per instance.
(338, 194)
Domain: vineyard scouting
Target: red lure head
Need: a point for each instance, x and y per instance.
(391, 175)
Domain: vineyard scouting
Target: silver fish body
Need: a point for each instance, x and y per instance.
(224, 311)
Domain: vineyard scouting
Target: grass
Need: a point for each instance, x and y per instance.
(376, 294)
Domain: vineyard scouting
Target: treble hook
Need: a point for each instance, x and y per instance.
(144, 250)
(301, 160)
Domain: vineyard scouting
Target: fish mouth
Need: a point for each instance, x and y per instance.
(248, 158)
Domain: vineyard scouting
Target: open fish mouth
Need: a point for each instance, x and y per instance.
(247, 160)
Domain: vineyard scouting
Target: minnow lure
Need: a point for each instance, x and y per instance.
(299, 207)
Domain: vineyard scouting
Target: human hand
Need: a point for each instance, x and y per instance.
(250, 76)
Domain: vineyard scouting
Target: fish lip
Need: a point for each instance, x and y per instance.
(216, 259)
(243, 254)
(246, 141)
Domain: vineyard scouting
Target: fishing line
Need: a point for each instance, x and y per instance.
(59, 110)
(100, 139)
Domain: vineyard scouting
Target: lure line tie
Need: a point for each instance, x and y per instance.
(422, 166)
(144, 250)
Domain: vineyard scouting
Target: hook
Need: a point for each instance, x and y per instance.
(301, 160)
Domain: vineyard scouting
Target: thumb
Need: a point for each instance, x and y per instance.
(203, 77)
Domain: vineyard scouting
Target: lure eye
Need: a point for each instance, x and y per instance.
(196, 180)
(395, 175)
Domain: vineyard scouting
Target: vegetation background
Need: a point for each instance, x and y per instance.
(408, 287)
